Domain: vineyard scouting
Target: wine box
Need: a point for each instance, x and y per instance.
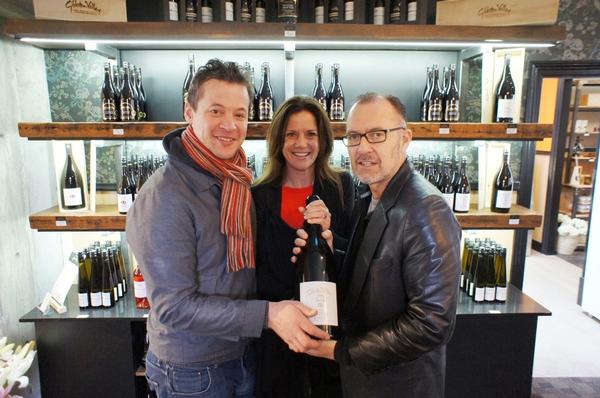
(81, 10)
(497, 13)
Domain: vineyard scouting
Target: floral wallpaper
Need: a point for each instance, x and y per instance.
(74, 82)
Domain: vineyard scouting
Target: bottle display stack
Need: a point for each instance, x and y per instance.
(134, 173)
(483, 270)
(123, 95)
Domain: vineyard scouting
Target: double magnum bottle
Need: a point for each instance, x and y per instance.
(502, 187)
(505, 96)
(72, 195)
(316, 275)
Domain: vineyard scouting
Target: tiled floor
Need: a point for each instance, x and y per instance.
(567, 354)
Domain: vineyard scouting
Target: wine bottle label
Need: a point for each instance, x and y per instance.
(265, 109)
(228, 11)
(207, 14)
(287, 9)
(322, 297)
(337, 109)
(139, 289)
(462, 281)
(334, 15)
(173, 11)
(72, 196)
(245, 15)
(84, 302)
(261, 15)
(106, 299)
(349, 11)
(449, 197)
(120, 289)
(506, 108)
(127, 109)
(124, 202)
(191, 15)
(462, 202)
(501, 293)
(471, 288)
(435, 111)
(115, 293)
(503, 199)
(479, 294)
(451, 114)
(320, 14)
(124, 286)
(378, 15)
(96, 299)
(109, 109)
(424, 111)
(323, 102)
(490, 293)
(411, 15)
(396, 15)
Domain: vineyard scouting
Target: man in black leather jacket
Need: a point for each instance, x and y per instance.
(401, 270)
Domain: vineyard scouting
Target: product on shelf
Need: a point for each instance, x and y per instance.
(206, 11)
(261, 11)
(502, 187)
(319, 92)
(110, 97)
(173, 10)
(187, 82)
(264, 96)
(451, 97)
(483, 270)
(71, 183)
(319, 11)
(379, 12)
(436, 98)
(333, 14)
(245, 11)
(139, 290)
(191, 11)
(336, 97)
(287, 11)
(506, 101)
(134, 174)
(441, 98)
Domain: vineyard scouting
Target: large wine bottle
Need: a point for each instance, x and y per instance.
(435, 100)
(502, 187)
(71, 184)
(336, 97)
(505, 95)
(265, 96)
(462, 198)
(188, 80)
(319, 92)
(109, 97)
(452, 98)
(445, 185)
(317, 288)
(128, 105)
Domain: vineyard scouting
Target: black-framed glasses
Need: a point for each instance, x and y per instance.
(373, 137)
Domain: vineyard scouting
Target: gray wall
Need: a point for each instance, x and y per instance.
(29, 261)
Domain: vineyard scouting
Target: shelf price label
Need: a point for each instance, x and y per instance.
(514, 220)
(61, 222)
(118, 132)
(444, 129)
(511, 128)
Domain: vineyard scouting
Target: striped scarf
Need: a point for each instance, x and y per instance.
(235, 179)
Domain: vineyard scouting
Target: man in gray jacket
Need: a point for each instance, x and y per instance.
(191, 230)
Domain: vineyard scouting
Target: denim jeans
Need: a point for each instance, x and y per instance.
(231, 379)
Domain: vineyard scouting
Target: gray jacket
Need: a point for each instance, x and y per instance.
(200, 313)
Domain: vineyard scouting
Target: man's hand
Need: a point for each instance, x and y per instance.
(289, 319)
(317, 213)
(324, 350)
(300, 242)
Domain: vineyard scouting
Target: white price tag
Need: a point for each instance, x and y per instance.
(83, 316)
(289, 33)
(118, 132)
(146, 315)
(494, 312)
(511, 129)
(514, 221)
(444, 129)
(61, 223)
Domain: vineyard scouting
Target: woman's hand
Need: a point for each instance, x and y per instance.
(317, 213)
(300, 242)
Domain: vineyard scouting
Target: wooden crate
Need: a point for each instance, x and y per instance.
(81, 10)
(497, 12)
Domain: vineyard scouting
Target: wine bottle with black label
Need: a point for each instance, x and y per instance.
(319, 92)
(128, 105)
(505, 95)
(109, 97)
(319, 11)
(452, 98)
(191, 11)
(173, 10)
(426, 93)
(434, 103)
(265, 96)
(379, 12)
(188, 80)
(502, 187)
(317, 288)
(71, 182)
(261, 11)
(336, 97)
(397, 12)
(462, 198)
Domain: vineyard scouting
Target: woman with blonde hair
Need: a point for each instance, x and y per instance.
(300, 143)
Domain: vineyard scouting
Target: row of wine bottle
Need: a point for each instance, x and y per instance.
(123, 94)
(483, 270)
(440, 101)
(400, 11)
(134, 173)
(451, 180)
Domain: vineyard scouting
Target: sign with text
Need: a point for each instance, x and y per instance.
(81, 10)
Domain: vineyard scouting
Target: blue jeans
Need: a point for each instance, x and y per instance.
(229, 379)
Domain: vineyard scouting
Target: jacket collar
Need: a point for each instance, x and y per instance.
(372, 235)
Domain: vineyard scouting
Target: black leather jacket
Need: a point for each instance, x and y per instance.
(400, 298)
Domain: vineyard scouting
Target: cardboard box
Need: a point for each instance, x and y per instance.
(81, 10)
(497, 12)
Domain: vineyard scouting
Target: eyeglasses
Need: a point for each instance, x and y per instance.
(373, 137)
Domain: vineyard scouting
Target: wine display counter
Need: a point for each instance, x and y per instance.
(97, 353)
(107, 218)
(258, 130)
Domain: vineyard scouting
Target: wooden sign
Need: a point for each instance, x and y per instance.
(496, 12)
(81, 10)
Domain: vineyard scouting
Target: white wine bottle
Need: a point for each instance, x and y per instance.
(71, 184)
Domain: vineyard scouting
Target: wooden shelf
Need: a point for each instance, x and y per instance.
(107, 218)
(258, 130)
(157, 35)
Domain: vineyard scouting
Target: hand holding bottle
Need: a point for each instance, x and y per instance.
(317, 213)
